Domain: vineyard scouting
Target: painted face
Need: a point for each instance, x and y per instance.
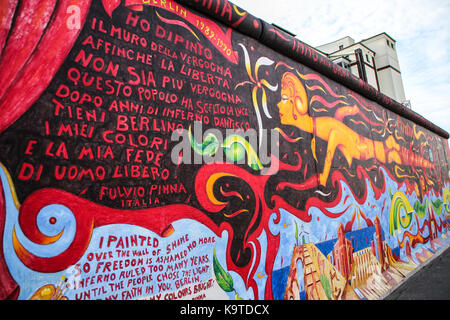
(285, 106)
(294, 101)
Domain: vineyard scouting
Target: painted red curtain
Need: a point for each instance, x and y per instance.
(35, 38)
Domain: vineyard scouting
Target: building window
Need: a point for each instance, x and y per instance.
(341, 47)
(344, 65)
(367, 57)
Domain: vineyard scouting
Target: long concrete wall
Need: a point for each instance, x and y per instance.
(189, 150)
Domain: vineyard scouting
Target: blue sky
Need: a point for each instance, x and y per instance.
(421, 29)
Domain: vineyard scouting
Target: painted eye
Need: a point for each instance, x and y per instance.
(284, 98)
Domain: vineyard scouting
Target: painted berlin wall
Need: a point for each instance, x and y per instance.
(149, 151)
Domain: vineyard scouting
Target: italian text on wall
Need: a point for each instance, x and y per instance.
(163, 150)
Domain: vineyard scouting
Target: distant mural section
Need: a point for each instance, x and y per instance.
(151, 151)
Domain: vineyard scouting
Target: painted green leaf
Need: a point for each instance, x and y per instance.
(208, 147)
(223, 278)
(236, 147)
(420, 209)
(437, 205)
(326, 285)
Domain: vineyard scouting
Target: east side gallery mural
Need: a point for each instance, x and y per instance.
(150, 152)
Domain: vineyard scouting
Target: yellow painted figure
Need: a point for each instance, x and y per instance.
(293, 109)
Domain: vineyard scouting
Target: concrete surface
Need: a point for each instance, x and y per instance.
(431, 281)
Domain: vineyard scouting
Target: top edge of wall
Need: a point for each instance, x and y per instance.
(280, 41)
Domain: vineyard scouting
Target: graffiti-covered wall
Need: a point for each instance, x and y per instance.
(161, 149)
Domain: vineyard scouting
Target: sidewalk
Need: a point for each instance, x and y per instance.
(430, 282)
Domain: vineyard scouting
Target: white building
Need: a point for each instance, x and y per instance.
(373, 60)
